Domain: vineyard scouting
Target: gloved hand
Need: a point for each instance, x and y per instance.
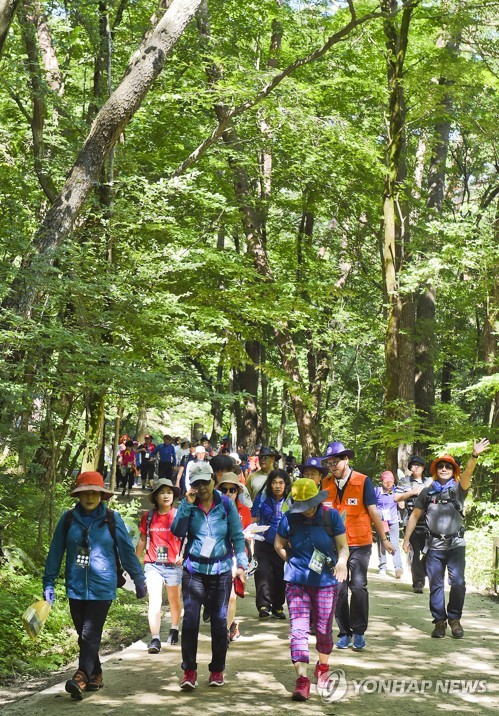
(49, 594)
(141, 590)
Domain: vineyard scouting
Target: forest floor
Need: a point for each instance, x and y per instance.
(401, 669)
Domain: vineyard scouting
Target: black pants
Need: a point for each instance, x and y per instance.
(353, 617)
(269, 577)
(88, 617)
(417, 542)
(146, 471)
(195, 589)
(165, 469)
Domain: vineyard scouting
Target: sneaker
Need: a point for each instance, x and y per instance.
(359, 642)
(418, 588)
(154, 647)
(398, 573)
(264, 612)
(216, 678)
(95, 682)
(234, 631)
(320, 669)
(302, 689)
(439, 629)
(382, 572)
(77, 685)
(456, 628)
(190, 680)
(343, 642)
(172, 637)
(278, 613)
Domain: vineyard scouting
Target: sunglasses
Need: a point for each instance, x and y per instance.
(199, 483)
(448, 465)
(229, 490)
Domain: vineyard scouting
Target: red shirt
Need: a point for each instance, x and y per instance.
(160, 535)
(127, 457)
(244, 514)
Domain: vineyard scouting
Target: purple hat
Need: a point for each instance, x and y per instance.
(337, 450)
(314, 462)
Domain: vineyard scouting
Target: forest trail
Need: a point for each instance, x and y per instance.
(432, 676)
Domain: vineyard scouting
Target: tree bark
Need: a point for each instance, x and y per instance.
(7, 10)
(94, 431)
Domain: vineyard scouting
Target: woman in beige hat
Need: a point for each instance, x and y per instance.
(162, 563)
(229, 485)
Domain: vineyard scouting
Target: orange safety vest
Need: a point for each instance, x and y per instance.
(357, 519)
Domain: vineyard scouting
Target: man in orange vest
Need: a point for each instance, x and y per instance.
(352, 494)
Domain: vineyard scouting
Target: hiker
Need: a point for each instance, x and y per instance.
(311, 540)
(145, 451)
(229, 485)
(95, 540)
(162, 563)
(442, 503)
(313, 469)
(267, 457)
(352, 494)
(388, 511)
(167, 458)
(268, 507)
(405, 496)
(210, 523)
(127, 469)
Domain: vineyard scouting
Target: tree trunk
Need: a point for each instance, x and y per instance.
(282, 422)
(116, 442)
(145, 66)
(141, 424)
(399, 356)
(7, 10)
(94, 431)
(248, 379)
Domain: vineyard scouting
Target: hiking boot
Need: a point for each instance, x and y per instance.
(398, 573)
(278, 613)
(343, 642)
(359, 642)
(456, 628)
(418, 588)
(302, 689)
(264, 612)
(234, 631)
(190, 680)
(216, 679)
(95, 682)
(154, 647)
(172, 637)
(439, 629)
(77, 685)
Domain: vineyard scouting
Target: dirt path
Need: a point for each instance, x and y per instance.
(425, 676)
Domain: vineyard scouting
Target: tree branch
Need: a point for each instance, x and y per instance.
(270, 86)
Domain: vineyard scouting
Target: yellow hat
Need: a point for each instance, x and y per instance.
(305, 495)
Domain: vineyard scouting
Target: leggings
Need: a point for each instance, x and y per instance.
(303, 602)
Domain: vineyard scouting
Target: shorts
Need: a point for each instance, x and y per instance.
(168, 575)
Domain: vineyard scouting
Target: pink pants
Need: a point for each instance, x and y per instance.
(305, 602)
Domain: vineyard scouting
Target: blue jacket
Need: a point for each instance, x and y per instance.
(98, 580)
(166, 453)
(269, 511)
(222, 523)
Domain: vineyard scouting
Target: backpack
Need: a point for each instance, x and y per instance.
(443, 498)
(111, 524)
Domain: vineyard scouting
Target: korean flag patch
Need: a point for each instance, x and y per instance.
(352, 501)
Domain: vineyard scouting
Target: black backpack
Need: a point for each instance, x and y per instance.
(110, 521)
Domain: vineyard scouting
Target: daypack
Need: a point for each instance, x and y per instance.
(110, 521)
(443, 498)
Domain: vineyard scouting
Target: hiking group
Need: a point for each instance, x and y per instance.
(307, 539)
